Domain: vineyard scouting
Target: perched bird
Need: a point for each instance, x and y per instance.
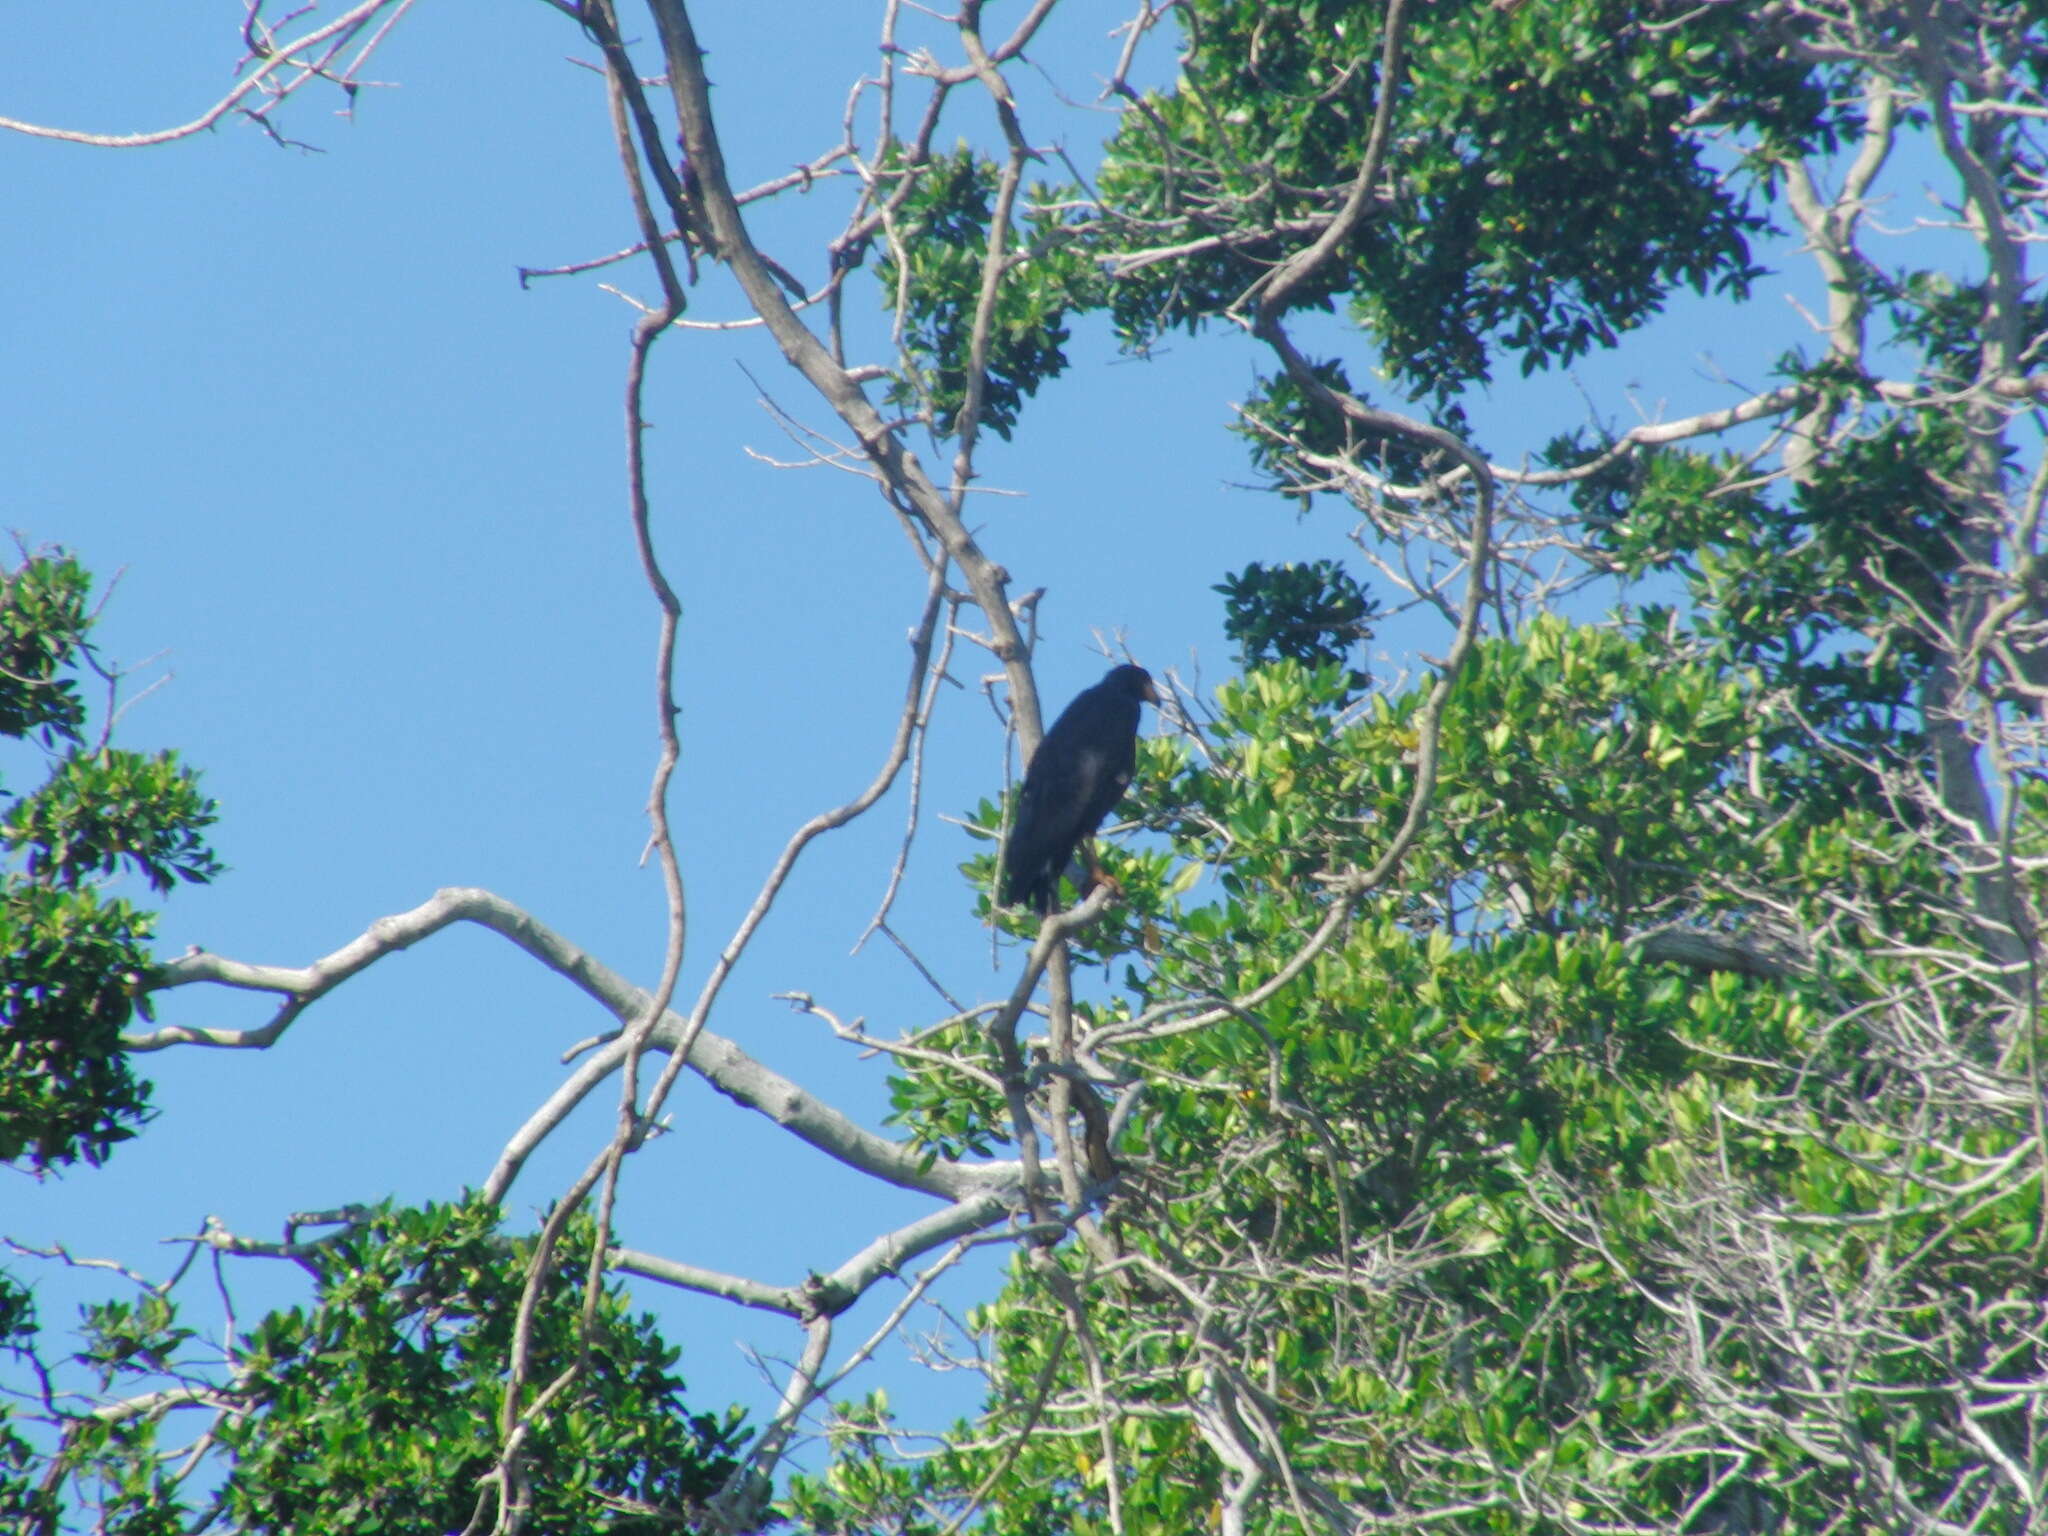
(1075, 778)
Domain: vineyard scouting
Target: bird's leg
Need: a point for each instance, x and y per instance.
(1097, 875)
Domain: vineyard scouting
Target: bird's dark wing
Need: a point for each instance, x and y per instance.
(1061, 789)
(1075, 778)
(1105, 776)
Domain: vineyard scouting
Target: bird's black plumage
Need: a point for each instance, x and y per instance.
(1075, 778)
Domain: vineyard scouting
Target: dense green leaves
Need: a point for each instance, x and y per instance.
(378, 1409)
(72, 960)
(1494, 232)
(378, 1406)
(1655, 1145)
(1315, 614)
(1797, 587)
(1485, 1187)
(22, 1499)
(72, 953)
(43, 622)
(933, 276)
(104, 811)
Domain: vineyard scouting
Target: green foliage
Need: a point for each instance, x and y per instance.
(102, 811)
(378, 1408)
(1452, 1183)
(1580, 776)
(43, 623)
(941, 228)
(1515, 128)
(1294, 437)
(72, 960)
(1316, 614)
(71, 953)
(942, 1117)
(22, 1500)
(1656, 1148)
(1827, 595)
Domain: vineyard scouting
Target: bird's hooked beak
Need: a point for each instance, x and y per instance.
(1149, 691)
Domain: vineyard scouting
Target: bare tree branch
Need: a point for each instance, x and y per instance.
(303, 60)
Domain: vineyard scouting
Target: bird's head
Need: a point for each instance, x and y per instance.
(1135, 681)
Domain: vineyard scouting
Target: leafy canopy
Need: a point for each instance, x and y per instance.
(72, 952)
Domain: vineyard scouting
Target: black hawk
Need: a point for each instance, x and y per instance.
(1075, 778)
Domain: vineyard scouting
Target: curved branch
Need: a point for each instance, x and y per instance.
(1767, 957)
(921, 638)
(733, 246)
(1280, 285)
(289, 55)
(716, 1059)
(2004, 250)
(826, 1295)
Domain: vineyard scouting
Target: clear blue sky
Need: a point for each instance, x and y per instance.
(364, 497)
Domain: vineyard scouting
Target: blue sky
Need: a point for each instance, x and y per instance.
(364, 498)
